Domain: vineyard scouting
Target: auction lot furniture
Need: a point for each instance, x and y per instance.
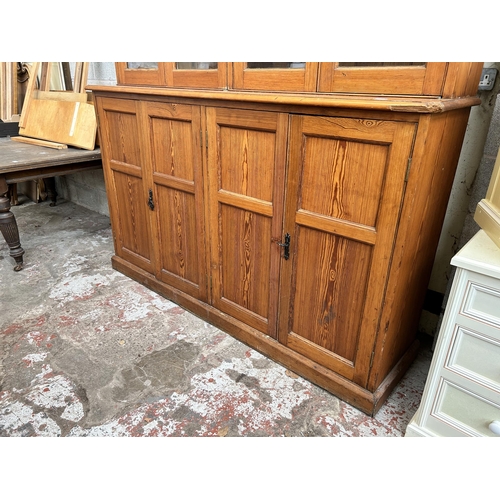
(21, 162)
(462, 392)
(297, 206)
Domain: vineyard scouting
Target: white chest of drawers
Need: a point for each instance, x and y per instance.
(462, 393)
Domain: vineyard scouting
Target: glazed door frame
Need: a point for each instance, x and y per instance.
(140, 76)
(335, 164)
(397, 80)
(168, 75)
(274, 79)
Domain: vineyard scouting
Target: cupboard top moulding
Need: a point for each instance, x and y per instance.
(431, 79)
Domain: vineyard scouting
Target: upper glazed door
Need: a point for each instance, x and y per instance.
(201, 75)
(345, 186)
(405, 78)
(140, 73)
(275, 76)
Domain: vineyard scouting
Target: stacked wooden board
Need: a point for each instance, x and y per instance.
(8, 92)
(59, 118)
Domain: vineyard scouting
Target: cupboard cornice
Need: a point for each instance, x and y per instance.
(344, 101)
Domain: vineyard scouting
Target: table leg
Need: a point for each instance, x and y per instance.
(8, 227)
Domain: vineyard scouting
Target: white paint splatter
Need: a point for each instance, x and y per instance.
(77, 287)
(163, 304)
(30, 359)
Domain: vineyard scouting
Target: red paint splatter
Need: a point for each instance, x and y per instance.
(11, 329)
(37, 337)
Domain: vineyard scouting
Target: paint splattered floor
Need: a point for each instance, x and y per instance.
(86, 351)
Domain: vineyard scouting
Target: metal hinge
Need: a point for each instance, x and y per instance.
(408, 167)
(371, 358)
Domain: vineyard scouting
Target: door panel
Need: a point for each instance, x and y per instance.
(332, 304)
(126, 179)
(246, 165)
(174, 149)
(344, 192)
(248, 284)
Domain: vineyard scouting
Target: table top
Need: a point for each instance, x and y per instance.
(15, 156)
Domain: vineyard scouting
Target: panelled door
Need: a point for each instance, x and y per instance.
(174, 152)
(246, 166)
(127, 179)
(344, 191)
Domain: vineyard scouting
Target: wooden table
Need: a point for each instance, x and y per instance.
(21, 162)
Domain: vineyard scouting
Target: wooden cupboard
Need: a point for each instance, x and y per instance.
(303, 224)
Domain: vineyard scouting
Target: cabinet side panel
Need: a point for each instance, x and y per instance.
(462, 79)
(435, 158)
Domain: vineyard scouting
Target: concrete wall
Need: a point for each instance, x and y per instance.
(474, 170)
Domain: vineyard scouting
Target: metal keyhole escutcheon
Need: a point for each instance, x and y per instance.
(151, 205)
(286, 247)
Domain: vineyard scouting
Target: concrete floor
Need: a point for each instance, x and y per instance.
(86, 351)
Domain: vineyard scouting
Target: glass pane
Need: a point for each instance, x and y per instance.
(379, 64)
(196, 65)
(276, 65)
(142, 65)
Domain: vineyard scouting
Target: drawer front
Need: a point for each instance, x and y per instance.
(482, 301)
(475, 356)
(458, 412)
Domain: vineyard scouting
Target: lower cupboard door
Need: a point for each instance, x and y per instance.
(174, 152)
(246, 166)
(344, 191)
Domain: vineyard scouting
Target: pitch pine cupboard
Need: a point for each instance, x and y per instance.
(297, 206)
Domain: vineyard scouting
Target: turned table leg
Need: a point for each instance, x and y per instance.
(8, 227)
